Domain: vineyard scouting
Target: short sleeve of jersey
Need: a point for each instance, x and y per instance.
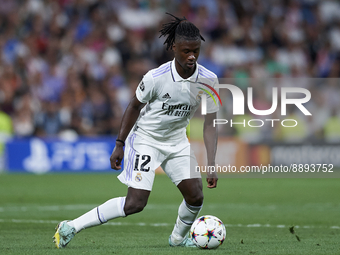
(146, 89)
(213, 103)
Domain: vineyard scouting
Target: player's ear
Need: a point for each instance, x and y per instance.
(174, 47)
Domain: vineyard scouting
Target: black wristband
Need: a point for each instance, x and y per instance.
(118, 140)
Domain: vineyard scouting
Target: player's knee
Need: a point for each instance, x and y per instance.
(134, 207)
(195, 200)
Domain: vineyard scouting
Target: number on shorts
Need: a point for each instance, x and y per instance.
(146, 159)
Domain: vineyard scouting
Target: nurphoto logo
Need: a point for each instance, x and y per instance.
(239, 104)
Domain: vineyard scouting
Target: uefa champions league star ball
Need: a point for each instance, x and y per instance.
(208, 232)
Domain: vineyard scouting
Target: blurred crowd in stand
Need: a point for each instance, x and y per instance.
(70, 67)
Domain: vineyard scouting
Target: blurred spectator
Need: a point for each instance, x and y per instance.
(6, 131)
(49, 122)
(332, 128)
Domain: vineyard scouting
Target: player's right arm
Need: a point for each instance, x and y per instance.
(129, 119)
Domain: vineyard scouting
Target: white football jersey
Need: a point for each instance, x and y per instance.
(171, 101)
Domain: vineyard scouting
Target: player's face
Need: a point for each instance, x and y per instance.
(186, 54)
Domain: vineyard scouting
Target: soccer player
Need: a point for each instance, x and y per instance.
(153, 131)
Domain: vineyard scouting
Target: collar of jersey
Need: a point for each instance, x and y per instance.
(177, 78)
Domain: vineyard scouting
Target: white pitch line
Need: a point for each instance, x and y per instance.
(25, 208)
(46, 208)
(142, 224)
(86, 207)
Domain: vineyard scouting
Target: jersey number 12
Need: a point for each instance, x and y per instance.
(143, 168)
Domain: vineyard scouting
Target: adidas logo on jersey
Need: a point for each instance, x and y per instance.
(166, 96)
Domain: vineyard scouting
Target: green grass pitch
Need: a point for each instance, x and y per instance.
(257, 212)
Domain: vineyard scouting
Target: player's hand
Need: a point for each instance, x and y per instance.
(212, 180)
(117, 157)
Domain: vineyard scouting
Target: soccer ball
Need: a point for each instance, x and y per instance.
(208, 232)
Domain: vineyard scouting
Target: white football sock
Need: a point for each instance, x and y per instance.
(186, 216)
(111, 209)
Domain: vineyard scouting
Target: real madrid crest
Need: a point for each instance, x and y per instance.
(138, 177)
(198, 97)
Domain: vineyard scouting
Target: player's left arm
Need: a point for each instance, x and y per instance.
(210, 141)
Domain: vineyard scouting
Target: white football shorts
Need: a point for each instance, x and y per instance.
(142, 158)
